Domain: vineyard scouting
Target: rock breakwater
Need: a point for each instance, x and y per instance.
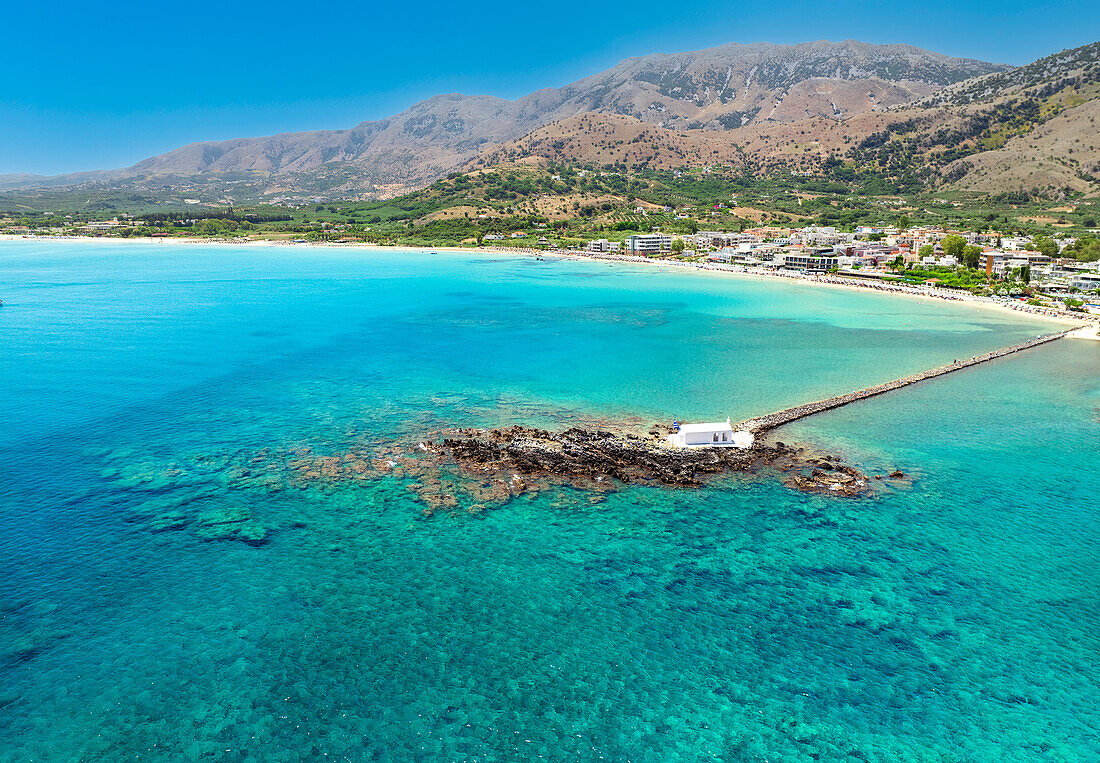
(761, 424)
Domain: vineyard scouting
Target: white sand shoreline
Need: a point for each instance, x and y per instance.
(1062, 317)
(1091, 323)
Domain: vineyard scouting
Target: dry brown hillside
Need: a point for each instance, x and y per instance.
(1032, 129)
(1058, 154)
(608, 139)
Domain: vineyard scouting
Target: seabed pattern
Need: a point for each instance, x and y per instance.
(214, 542)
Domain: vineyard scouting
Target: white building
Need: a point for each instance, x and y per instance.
(721, 239)
(1015, 244)
(649, 243)
(1086, 281)
(810, 262)
(603, 245)
(999, 263)
(718, 434)
(821, 236)
(947, 261)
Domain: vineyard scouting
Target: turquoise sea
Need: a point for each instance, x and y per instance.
(151, 396)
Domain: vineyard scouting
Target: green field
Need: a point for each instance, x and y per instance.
(568, 203)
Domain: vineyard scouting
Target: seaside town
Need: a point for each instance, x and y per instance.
(1036, 274)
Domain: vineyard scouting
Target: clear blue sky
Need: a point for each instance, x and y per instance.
(95, 86)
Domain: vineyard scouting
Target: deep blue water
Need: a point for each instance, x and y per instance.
(147, 389)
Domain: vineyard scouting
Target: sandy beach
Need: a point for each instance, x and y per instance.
(1062, 317)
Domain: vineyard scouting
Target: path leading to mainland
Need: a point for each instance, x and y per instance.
(767, 422)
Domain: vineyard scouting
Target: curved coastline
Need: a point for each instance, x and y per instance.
(1061, 317)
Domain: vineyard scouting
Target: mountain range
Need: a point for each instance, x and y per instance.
(761, 105)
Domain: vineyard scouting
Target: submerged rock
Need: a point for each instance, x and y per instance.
(231, 523)
(21, 650)
(253, 533)
(169, 520)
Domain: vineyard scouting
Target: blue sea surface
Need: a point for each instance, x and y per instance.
(171, 589)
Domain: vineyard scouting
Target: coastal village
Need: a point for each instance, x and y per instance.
(1033, 274)
(1040, 275)
(883, 254)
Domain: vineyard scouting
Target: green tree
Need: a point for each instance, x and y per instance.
(954, 246)
(1087, 249)
(678, 246)
(1045, 245)
(972, 255)
(927, 250)
(903, 221)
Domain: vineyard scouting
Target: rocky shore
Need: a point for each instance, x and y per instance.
(598, 457)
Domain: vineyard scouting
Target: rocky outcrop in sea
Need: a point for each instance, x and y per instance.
(602, 457)
(210, 496)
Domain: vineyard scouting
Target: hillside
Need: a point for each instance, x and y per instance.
(613, 140)
(1059, 154)
(733, 85)
(717, 89)
(1032, 129)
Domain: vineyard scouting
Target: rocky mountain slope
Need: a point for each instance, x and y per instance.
(1034, 129)
(1031, 129)
(717, 89)
(734, 85)
(611, 139)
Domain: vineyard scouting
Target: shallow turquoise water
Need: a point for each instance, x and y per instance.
(955, 619)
